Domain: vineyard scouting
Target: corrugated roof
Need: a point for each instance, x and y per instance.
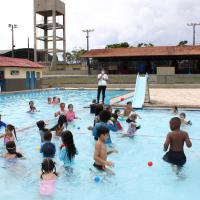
(18, 62)
(143, 51)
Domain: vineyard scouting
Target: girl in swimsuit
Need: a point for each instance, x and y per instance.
(12, 153)
(48, 177)
(70, 115)
(8, 136)
(67, 149)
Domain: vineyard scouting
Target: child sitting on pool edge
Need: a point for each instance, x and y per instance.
(100, 152)
(48, 177)
(175, 141)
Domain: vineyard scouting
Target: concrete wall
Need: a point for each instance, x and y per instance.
(84, 81)
(165, 70)
(22, 72)
(18, 84)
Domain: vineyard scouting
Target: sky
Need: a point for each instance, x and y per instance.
(161, 22)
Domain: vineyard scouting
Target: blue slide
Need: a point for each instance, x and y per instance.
(140, 91)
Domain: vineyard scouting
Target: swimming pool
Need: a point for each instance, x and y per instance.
(133, 178)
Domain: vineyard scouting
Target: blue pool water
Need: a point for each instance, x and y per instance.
(133, 178)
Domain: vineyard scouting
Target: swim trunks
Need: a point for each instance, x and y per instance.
(99, 167)
(175, 157)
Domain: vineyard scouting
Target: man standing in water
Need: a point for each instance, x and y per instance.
(102, 84)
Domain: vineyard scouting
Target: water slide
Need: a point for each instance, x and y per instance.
(140, 91)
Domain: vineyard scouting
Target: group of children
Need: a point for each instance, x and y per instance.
(104, 121)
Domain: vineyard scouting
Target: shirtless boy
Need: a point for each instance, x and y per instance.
(100, 153)
(176, 139)
(128, 109)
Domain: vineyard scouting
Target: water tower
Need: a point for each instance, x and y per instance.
(49, 31)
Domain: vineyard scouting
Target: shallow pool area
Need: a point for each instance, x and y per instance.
(133, 178)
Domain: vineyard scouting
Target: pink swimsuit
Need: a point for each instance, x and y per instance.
(70, 116)
(8, 139)
(47, 187)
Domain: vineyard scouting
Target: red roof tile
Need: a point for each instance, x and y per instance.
(143, 51)
(18, 62)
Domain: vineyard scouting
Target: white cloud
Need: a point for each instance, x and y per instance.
(159, 22)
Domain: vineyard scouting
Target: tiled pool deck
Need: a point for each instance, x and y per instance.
(185, 98)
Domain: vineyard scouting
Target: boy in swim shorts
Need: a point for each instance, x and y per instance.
(100, 152)
(175, 141)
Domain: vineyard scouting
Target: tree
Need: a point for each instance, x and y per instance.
(118, 45)
(145, 45)
(74, 57)
(182, 43)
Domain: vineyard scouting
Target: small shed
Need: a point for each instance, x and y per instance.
(19, 74)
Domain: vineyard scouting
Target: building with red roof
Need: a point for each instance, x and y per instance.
(19, 74)
(184, 59)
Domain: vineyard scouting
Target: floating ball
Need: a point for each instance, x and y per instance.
(122, 99)
(97, 179)
(150, 164)
(78, 128)
(38, 147)
(74, 125)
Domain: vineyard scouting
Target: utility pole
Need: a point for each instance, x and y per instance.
(194, 31)
(28, 50)
(87, 31)
(12, 27)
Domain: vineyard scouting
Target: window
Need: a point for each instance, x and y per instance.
(14, 73)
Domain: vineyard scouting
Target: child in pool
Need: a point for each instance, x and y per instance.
(12, 153)
(2, 124)
(98, 110)
(175, 141)
(42, 130)
(183, 119)
(32, 108)
(48, 177)
(62, 110)
(132, 118)
(115, 119)
(48, 149)
(8, 136)
(175, 110)
(105, 117)
(70, 115)
(49, 100)
(100, 152)
(128, 109)
(93, 106)
(59, 127)
(109, 108)
(67, 149)
(54, 101)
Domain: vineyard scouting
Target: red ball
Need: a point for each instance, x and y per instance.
(122, 99)
(150, 164)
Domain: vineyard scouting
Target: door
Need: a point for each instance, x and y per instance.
(28, 80)
(33, 80)
(2, 82)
